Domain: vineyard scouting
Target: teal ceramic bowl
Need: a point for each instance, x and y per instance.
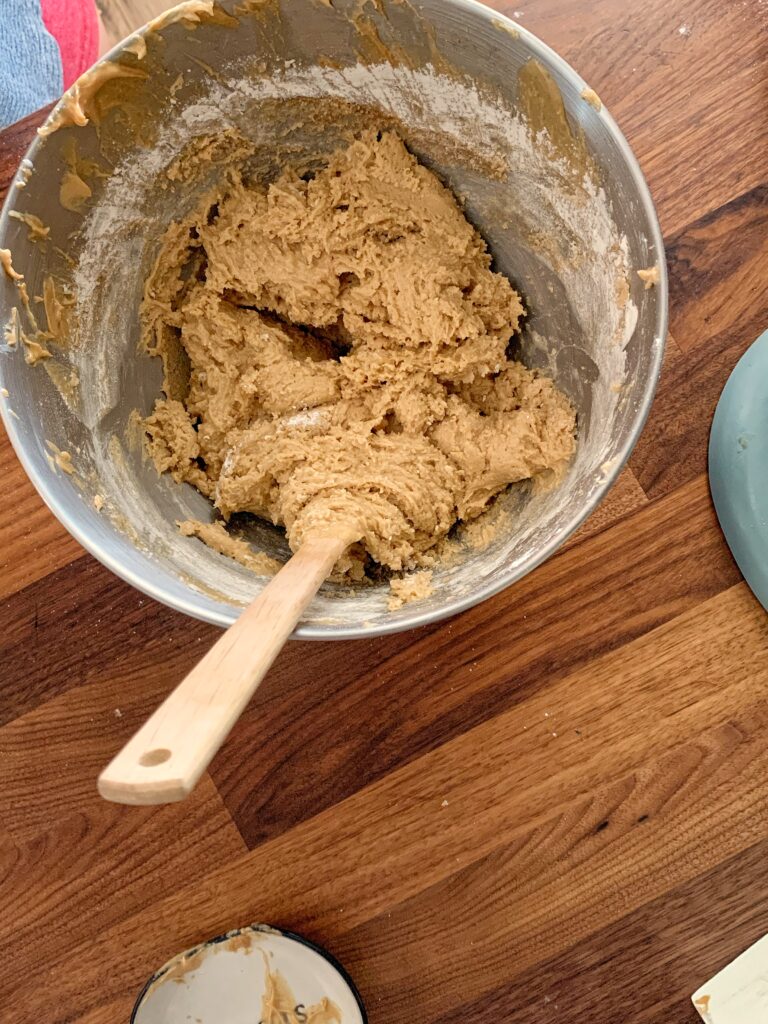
(738, 465)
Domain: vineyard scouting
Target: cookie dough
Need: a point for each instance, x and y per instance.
(335, 349)
(416, 586)
(218, 538)
(649, 276)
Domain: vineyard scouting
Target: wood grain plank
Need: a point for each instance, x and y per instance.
(672, 449)
(82, 624)
(717, 273)
(636, 837)
(626, 496)
(691, 103)
(51, 756)
(593, 597)
(32, 541)
(644, 967)
(509, 826)
(90, 870)
(79, 863)
(719, 305)
(50, 644)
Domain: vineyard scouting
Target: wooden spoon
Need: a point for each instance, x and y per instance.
(169, 753)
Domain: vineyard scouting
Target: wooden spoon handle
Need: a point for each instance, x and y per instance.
(169, 753)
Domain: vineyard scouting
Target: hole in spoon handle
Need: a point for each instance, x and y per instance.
(154, 757)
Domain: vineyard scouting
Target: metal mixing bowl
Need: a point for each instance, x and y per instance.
(292, 78)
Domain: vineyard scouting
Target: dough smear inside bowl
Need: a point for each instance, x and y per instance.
(336, 350)
(327, 261)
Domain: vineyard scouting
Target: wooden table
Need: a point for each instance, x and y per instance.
(554, 805)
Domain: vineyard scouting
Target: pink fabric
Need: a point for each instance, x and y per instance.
(74, 24)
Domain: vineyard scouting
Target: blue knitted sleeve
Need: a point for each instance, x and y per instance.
(30, 63)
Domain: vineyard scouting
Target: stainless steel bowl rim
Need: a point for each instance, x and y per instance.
(521, 568)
